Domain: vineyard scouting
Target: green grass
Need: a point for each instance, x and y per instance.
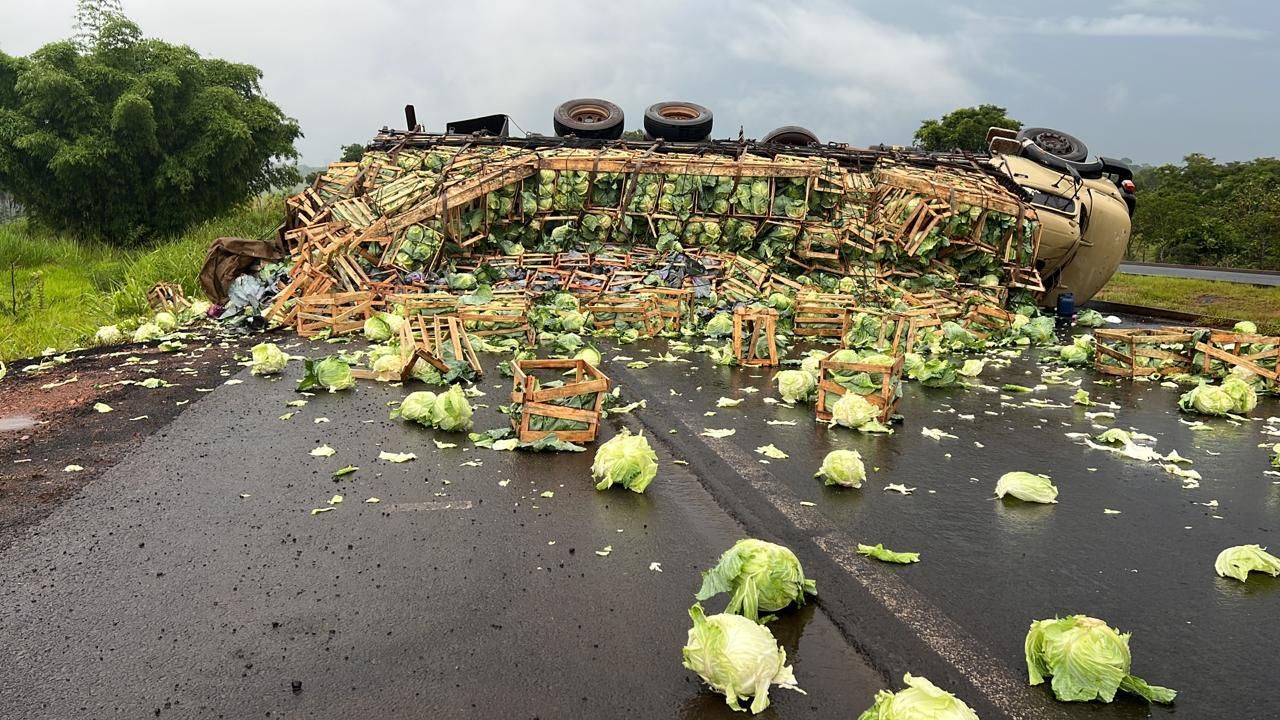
(56, 291)
(1231, 301)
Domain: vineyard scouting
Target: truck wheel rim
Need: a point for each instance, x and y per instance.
(589, 113)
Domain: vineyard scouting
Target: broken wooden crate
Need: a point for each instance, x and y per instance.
(438, 340)
(570, 409)
(675, 305)
(754, 327)
(503, 316)
(638, 311)
(1140, 352)
(1258, 354)
(167, 296)
(822, 314)
(336, 313)
(413, 304)
(887, 379)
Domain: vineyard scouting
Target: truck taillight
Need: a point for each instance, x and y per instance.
(1128, 186)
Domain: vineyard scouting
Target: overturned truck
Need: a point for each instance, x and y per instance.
(590, 213)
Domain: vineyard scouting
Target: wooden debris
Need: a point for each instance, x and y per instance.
(540, 406)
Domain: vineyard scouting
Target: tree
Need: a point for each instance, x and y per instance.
(963, 129)
(91, 18)
(352, 152)
(136, 137)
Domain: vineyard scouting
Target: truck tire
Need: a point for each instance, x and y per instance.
(588, 118)
(1055, 142)
(792, 135)
(678, 121)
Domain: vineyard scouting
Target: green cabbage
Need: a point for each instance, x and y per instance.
(760, 576)
(1038, 330)
(795, 385)
(1207, 400)
(331, 373)
(719, 326)
(416, 407)
(572, 320)
(460, 281)
(167, 321)
(884, 554)
(568, 342)
(933, 373)
(972, 368)
(842, 467)
(424, 371)
(590, 354)
(147, 332)
(1090, 319)
(108, 335)
(384, 361)
(1114, 435)
(382, 327)
(451, 411)
(921, 700)
(736, 657)
(267, 359)
(1242, 393)
(1087, 660)
(1246, 327)
(780, 302)
(853, 411)
(1027, 487)
(1238, 561)
(625, 460)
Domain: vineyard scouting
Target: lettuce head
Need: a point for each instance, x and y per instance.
(382, 327)
(452, 411)
(268, 359)
(795, 385)
(1086, 659)
(842, 467)
(1027, 487)
(1237, 562)
(759, 576)
(625, 460)
(921, 700)
(416, 407)
(736, 657)
(331, 373)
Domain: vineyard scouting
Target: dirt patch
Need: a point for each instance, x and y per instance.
(1208, 299)
(54, 407)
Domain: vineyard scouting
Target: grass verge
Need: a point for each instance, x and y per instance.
(1207, 297)
(56, 291)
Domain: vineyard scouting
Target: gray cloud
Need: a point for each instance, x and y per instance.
(1141, 25)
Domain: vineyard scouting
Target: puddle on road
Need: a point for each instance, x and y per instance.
(16, 422)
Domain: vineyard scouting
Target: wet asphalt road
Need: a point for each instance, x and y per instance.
(160, 588)
(1201, 273)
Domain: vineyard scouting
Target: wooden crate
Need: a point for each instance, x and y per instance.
(1259, 354)
(509, 314)
(424, 303)
(895, 331)
(167, 296)
(635, 309)
(434, 340)
(749, 325)
(1120, 352)
(675, 305)
(582, 282)
(822, 314)
(889, 378)
(338, 313)
(985, 320)
(538, 402)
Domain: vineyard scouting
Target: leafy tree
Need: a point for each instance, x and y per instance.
(963, 129)
(91, 18)
(352, 152)
(136, 137)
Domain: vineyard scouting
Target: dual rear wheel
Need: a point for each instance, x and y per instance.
(675, 121)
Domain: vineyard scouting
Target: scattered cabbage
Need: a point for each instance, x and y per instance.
(719, 326)
(267, 359)
(1078, 352)
(921, 700)
(795, 385)
(568, 342)
(736, 657)
(108, 335)
(147, 332)
(810, 362)
(842, 467)
(884, 554)
(590, 354)
(460, 281)
(933, 373)
(853, 411)
(1242, 393)
(625, 460)
(1091, 319)
(416, 407)
(1087, 660)
(424, 371)
(1115, 435)
(382, 327)
(572, 321)
(760, 576)
(167, 321)
(1238, 561)
(331, 373)
(1208, 400)
(1246, 327)
(384, 361)
(1038, 330)
(972, 368)
(1027, 487)
(452, 411)
(780, 302)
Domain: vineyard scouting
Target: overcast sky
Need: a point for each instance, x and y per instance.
(1147, 79)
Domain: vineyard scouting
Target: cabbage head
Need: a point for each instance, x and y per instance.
(568, 342)
(331, 373)
(1087, 660)
(572, 320)
(1246, 327)
(1027, 487)
(810, 362)
(842, 467)
(780, 302)
(972, 368)
(416, 407)
(1090, 319)
(167, 321)
(625, 460)
(760, 576)
(267, 359)
(737, 658)
(1038, 330)
(853, 411)
(1238, 561)
(147, 332)
(719, 326)
(1207, 400)
(1242, 393)
(460, 281)
(384, 361)
(590, 354)
(795, 385)
(108, 335)
(921, 700)
(382, 327)
(452, 411)
(425, 372)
